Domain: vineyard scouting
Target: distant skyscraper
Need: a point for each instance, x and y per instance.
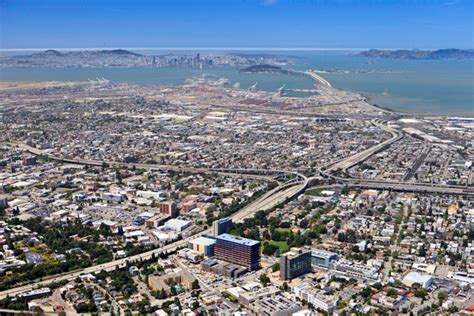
(222, 226)
(295, 263)
(238, 250)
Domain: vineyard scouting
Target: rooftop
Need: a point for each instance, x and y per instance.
(223, 220)
(417, 277)
(204, 241)
(238, 240)
(322, 253)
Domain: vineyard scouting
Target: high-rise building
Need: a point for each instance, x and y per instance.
(322, 258)
(3, 201)
(295, 263)
(29, 161)
(238, 250)
(169, 208)
(222, 226)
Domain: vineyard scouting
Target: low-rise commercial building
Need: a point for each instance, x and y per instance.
(322, 258)
(356, 270)
(203, 245)
(411, 278)
(320, 301)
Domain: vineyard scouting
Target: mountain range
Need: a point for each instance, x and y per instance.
(451, 53)
(98, 53)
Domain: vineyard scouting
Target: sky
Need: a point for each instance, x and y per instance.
(339, 24)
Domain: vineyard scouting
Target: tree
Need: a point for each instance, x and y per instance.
(392, 293)
(276, 235)
(269, 249)
(276, 267)
(377, 286)
(421, 293)
(366, 292)
(195, 305)
(195, 285)
(264, 279)
(442, 296)
(345, 190)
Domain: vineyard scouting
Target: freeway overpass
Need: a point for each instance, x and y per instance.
(252, 173)
(346, 163)
(351, 161)
(267, 201)
(411, 187)
(270, 199)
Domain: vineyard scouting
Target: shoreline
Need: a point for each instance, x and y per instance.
(368, 100)
(368, 97)
(320, 80)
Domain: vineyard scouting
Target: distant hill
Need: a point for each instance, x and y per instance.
(121, 52)
(73, 59)
(49, 52)
(98, 53)
(263, 55)
(261, 68)
(451, 53)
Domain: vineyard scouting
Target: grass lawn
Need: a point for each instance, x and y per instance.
(313, 192)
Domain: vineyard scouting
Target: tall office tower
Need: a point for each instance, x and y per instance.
(222, 226)
(295, 263)
(238, 250)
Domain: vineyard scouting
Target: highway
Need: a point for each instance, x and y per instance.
(268, 200)
(346, 163)
(318, 78)
(350, 161)
(251, 173)
(410, 187)
(418, 162)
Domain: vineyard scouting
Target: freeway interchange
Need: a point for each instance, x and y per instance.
(295, 183)
(267, 201)
(346, 163)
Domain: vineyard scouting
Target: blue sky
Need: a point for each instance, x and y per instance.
(236, 23)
